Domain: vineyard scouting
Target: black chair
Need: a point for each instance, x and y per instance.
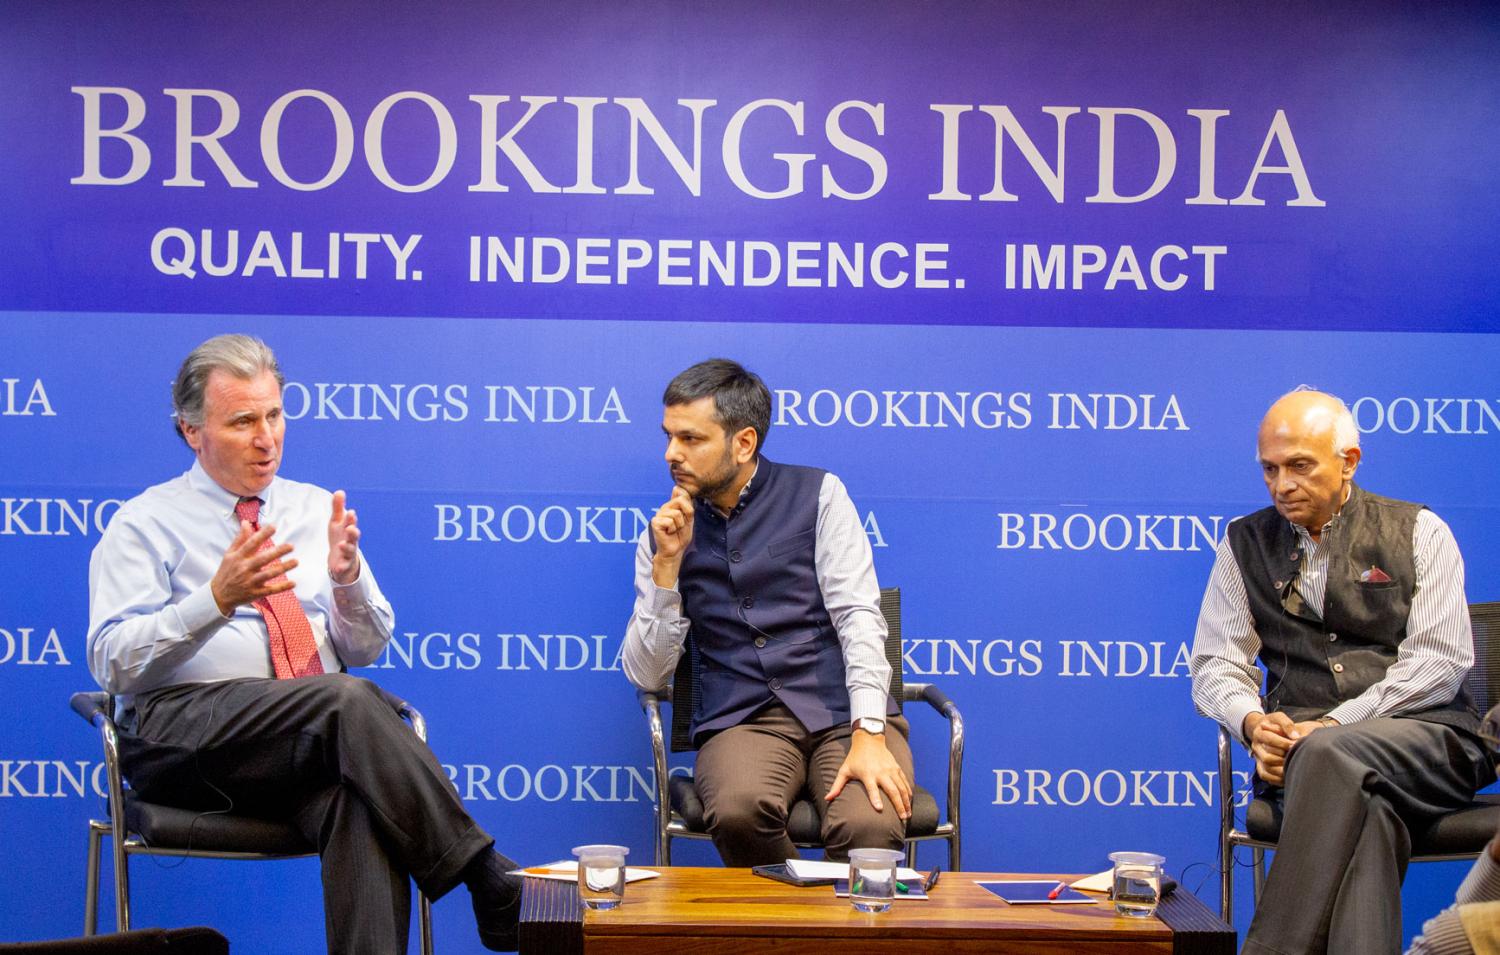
(679, 812)
(137, 827)
(195, 940)
(1461, 834)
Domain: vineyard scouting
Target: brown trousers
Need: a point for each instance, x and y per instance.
(749, 775)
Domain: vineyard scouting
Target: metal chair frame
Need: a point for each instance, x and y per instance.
(670, 824)
(96, 707)
(1483, 682)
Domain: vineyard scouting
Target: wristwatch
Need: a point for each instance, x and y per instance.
(870, 725)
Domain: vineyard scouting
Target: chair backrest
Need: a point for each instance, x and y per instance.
(685, 680)
(1484, 679)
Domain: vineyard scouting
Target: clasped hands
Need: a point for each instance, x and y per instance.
(247, 573)
(1272, 736)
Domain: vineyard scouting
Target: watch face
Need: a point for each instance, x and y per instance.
(872, 726)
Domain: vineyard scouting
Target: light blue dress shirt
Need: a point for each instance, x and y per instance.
(153, 621)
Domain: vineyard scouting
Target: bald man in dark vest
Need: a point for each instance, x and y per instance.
(1354, 605)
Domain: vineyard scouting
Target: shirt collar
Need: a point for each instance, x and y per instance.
(224, 501)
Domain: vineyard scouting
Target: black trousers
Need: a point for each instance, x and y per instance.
(329, 754)
(1351, 793)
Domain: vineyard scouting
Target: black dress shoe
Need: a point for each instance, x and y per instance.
(497, 900)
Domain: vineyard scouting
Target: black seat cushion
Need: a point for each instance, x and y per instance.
(168, 827)
(1465, 830)
(802, 823)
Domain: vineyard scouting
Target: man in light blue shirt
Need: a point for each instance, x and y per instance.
(224, 605)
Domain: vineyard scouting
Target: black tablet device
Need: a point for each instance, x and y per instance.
(781, 873)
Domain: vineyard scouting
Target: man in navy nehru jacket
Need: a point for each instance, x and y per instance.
(768, 565)
(1355, 606)
(223, 606)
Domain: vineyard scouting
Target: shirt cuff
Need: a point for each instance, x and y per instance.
(1236, 712)
(1350, 711)
(355, 594)
(867, 704)
(1482, 884)
(198, 611)
(1443, 934)
(663, 602)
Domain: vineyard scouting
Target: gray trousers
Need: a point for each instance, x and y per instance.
(1351, 793)
(749, 775)
(330, 755)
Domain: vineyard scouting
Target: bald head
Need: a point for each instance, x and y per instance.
(1308, 450)
(1313, 412)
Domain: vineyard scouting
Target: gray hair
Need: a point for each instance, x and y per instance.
(239, 355)
(1345, 431)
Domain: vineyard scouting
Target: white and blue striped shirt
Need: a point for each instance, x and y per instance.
(1430, 663)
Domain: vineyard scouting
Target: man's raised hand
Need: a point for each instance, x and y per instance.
(248, 573)
(343, 542)
(672, 529)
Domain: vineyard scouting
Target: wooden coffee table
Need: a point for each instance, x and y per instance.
(692, 910)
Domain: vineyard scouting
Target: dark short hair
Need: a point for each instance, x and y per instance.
(741, 399)
(240, 355)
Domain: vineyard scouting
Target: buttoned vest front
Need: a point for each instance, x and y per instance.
(750, 591)
(1313, 663)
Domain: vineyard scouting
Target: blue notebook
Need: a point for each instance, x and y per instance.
(1035, 893)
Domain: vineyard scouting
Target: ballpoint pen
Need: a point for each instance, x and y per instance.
(1057, 890)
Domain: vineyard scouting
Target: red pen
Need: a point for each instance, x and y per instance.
(1057, 890)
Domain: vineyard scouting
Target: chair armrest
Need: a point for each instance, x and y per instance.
(91, 705)
(938, 700)
(407, 712)
(96, 707)
(932, 696)
(651, 702)
(1226, 761)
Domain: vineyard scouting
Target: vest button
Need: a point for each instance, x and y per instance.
(1279, 584)
(760, 641)
(776, 683)
(1296, 555)
(1338, 668)
(1332, 637)
(734, 556)
(747, 602)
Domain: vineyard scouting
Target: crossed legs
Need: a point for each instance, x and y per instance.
(1351, 792)
(329, 754)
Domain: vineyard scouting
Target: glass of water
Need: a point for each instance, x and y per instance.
(1137, 883)
(872, 878)
(601, 875)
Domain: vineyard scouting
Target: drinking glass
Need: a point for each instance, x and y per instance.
(872, 878)
(1137, 883)
(601, 875)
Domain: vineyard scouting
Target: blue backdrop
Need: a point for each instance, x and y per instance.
(1025, 277)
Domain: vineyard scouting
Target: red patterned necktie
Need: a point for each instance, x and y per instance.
(294, 652)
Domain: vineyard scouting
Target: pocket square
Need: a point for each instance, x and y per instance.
(1374, 576)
